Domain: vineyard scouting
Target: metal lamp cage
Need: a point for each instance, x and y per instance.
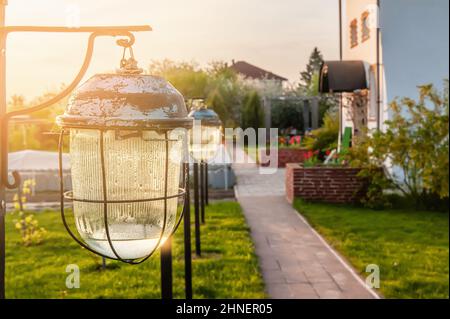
(157, 108)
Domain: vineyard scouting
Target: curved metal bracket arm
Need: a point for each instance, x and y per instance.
(87, 60)
(16, 183)
(95, 32)
(12, 29)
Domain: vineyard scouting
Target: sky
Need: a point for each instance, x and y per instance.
(276, 35)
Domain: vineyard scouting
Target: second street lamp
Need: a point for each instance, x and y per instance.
(207, 133)
(205, 139)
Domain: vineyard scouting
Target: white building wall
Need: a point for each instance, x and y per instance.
(414, 47)
(415, 44)
(365, 50)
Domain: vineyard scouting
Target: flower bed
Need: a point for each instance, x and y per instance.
(285, 156)
(340, 185)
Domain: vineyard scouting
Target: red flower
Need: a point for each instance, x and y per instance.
(328, 152)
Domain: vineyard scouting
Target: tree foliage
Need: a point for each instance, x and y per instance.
(31, 131)
(287, 114)
(191, 81)
(309, 78)
(309, 85)
(253, 113)
(326, 137)
(217, 83)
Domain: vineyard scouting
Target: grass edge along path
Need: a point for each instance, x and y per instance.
(411, 248)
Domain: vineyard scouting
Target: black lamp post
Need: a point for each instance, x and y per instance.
(205, 140)
(127, 139)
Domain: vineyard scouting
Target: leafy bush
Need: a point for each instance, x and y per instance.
(29, 229)
(27, 225)
(326, 137)
(287, 114)
(415, 142)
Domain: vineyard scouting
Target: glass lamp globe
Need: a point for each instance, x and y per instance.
(126, 152)
(206, 136)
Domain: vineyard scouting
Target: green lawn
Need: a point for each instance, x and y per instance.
(227, 269)
(411, 248)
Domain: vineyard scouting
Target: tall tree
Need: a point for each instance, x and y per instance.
(253, 113)
(308, 77)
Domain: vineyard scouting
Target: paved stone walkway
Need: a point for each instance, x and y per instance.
(295, 260)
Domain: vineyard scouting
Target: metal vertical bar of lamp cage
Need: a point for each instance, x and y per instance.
(3, 147)
(166, 248)
(166, 270)
(202, 191)
(206, 184)
(187, 238)
(198, 250)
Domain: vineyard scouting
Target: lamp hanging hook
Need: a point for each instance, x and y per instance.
(128, 65)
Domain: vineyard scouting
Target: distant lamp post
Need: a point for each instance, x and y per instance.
(127, 145)
(205, 139)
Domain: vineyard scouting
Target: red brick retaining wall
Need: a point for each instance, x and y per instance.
(285, 156)
(324, 184)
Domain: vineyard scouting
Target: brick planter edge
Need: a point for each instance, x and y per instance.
(337, 185)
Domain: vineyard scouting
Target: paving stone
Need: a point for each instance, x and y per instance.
(274, 277)
(269, 264)
(295, 276)
(303, 291)
(280, 291)
(326, 290)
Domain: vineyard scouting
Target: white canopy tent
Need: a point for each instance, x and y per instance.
(40, 166)
(35, 161)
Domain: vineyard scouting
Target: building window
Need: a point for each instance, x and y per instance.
(354, 33)
(365, 26)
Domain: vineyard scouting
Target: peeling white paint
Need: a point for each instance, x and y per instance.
(129, 84)
(139, 98)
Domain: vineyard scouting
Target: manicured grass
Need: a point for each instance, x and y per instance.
(410, 247)
(227, 269)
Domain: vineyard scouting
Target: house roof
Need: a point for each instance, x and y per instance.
(250, 71)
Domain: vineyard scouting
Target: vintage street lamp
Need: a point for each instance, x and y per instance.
(207, 133)
(205, 139)
(127, 146)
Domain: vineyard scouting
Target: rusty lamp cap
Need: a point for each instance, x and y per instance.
(126, 101)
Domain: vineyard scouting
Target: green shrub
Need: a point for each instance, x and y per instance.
(287, 114)
(326, 137)
(416, 142)
(29, 229)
